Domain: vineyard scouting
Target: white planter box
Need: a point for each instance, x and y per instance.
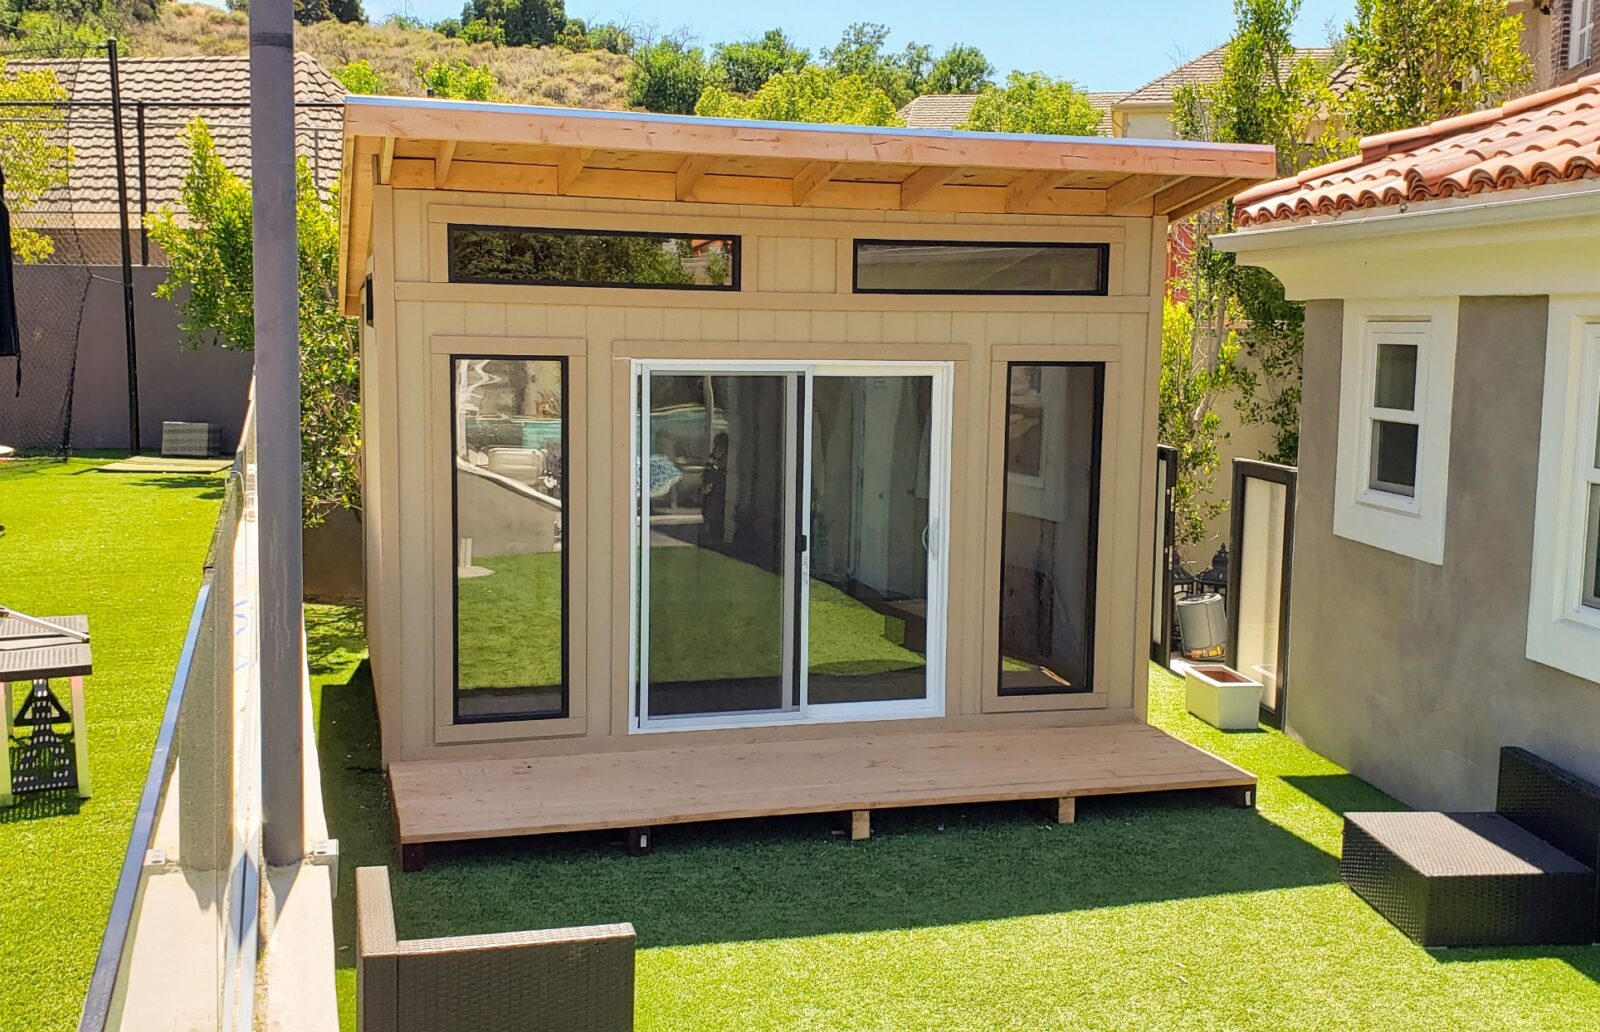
(1222, 697)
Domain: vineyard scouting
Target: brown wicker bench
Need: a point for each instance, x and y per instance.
(556, 980)
(1523, 875)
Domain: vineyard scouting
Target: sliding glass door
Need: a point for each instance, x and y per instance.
(788, 546)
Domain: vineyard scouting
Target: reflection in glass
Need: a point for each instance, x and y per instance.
(868, 541)
(720, 505)
(1396, 386)
(1591, 580)
(510, 480)
(508, 254)
(1260, 598)
(916, 267)
(1047, 577)
(1394, 457)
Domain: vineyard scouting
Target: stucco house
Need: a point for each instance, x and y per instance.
(717, 468)
(1446, 590)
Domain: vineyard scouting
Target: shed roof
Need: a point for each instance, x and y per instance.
(507, 148)
(948, 110)
(1543, 138)
(171, 92)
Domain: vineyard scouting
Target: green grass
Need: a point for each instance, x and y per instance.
(713, 618)
(1164, 912)
(127, 550)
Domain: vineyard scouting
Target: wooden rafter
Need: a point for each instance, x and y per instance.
(441, 163)
(689, 174)
(571, 166)
(924, 181)
(1191, 194)
(1132, 193)
(386, 159)
(1030, 186)
(1218, 192)
(809, 178)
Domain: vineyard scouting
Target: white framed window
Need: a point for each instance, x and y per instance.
(1564, 589)
(1396, 381)
(1580, 31)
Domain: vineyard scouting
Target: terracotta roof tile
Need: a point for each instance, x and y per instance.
(948, 110)
(1543, 138)
(175, 90)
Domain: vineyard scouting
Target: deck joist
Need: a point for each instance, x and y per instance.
(452, 800)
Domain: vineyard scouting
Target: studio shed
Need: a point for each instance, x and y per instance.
(719, 468)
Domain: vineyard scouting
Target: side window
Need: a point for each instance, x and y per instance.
(1395, 398)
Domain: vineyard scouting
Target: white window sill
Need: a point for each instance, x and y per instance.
(1570, 644)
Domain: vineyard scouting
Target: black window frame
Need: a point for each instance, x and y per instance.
(566, 553)
(1103, 267)
(453, 273)
(1091, 629)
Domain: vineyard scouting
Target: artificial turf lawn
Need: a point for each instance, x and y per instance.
(1154, 912)
(712, 618)
(126, 549)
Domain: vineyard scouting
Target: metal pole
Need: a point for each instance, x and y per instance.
(127, 256)
(144, 187)
(277, 430)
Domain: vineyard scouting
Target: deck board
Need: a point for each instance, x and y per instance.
(449, 800)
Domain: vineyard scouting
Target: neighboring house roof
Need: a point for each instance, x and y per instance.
(1160, 91)
(1543, 138)
(172, 91)
(948, 110)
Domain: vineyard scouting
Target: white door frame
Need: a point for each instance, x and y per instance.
(797, 565)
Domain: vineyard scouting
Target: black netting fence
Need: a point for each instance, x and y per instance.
(71, 185)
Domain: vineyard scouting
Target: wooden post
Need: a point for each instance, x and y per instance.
(5, 745)
(1066, 809)
(860, 825)
(80, 737)
(1242, 796)
(638, 843)
(413, 856)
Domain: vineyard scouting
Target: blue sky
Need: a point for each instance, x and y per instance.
(1104, 46)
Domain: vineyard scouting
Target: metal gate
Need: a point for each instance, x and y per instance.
(1262, 543)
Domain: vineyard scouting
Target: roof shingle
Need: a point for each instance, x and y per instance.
(948, 110)
(1542, 138)
(1207, 67)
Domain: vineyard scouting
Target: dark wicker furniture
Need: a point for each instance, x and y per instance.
(555, 980)
(1523, 875)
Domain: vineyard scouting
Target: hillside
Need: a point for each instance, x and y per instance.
(530, 75)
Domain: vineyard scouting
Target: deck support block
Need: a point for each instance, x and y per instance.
(638, 843)
(860, 825)
(1064, 810)
(1242, 796)
(413, 857)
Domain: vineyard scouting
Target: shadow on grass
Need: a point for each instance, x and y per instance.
(791, 876)
(209, 485)
(40, 806)
(1342, 793)
(1585, 960)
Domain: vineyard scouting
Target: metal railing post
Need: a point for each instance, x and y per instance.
(277, 430)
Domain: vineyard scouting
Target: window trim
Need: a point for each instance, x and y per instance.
(1103, 267)
(733, 285)
(1409, 525)
(1563, 632)
(1096, 471)
(566, 710)
(1580, 27)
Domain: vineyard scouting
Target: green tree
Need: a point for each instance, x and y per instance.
(961, 69)
(745, 67)
(360, 77)
(479, 31)
(457, 80)
(348, 11)
(309, 12)
(1032, 102)
(449, 28)
(1193, 379)
(1268, 93)
(210, 281)
(810, 95)
(1417, 61)
(860, 52)
(527, 23)
(34, 162)
(667, 76)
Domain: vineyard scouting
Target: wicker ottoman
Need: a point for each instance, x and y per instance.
(1467, 879)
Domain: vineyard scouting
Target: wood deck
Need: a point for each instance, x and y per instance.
(448, 800)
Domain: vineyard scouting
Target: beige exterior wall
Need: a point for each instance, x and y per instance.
(796, 304)
(1414, 675)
